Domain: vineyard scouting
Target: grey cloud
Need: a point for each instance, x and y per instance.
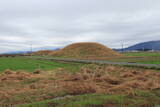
(61, 22)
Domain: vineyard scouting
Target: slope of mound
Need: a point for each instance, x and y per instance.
(84, 50)
(42, 52)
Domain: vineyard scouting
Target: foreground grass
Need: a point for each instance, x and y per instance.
(141, 98)
(77, 101)
(21, 63)
(147, 98)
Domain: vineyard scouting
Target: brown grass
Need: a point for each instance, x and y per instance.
(85, 50)
(8, 71)
(90, 79)
(79, 88)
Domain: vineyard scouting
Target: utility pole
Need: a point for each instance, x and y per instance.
(31, 49)
(143, 49)
(122, 47)
(152, 49)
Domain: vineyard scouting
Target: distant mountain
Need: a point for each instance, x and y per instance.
(46, 48)
(16, 52)
(145, 46)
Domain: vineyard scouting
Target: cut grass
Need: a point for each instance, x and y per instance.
(26, 64)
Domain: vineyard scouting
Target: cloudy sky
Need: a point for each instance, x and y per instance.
(61, 22)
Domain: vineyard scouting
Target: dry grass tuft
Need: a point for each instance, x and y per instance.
(14, 76)
(37, 71)
(8, 71)
(79, 88)
(110, 80)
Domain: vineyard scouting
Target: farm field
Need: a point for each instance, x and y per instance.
(29, 65)
(142, 54)
(43, 83)
(139, 57)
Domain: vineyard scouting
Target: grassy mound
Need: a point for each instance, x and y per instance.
(85, 50)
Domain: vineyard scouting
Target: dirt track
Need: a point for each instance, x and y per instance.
(148, 66)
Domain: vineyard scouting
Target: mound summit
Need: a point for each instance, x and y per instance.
(85, 50)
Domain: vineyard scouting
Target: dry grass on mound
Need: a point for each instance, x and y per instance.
(85, 50)
(21, 87)
(42, 52)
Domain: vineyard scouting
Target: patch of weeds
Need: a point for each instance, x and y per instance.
(141, 93)
(156, 92)
(31, 80)
(52, 78)
(92, 67)
(96, 100)
(22, 98)
(57, 94)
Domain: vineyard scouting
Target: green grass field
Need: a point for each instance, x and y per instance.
(26, 64)
(139, 57)
(142, 54)
(145, 57)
